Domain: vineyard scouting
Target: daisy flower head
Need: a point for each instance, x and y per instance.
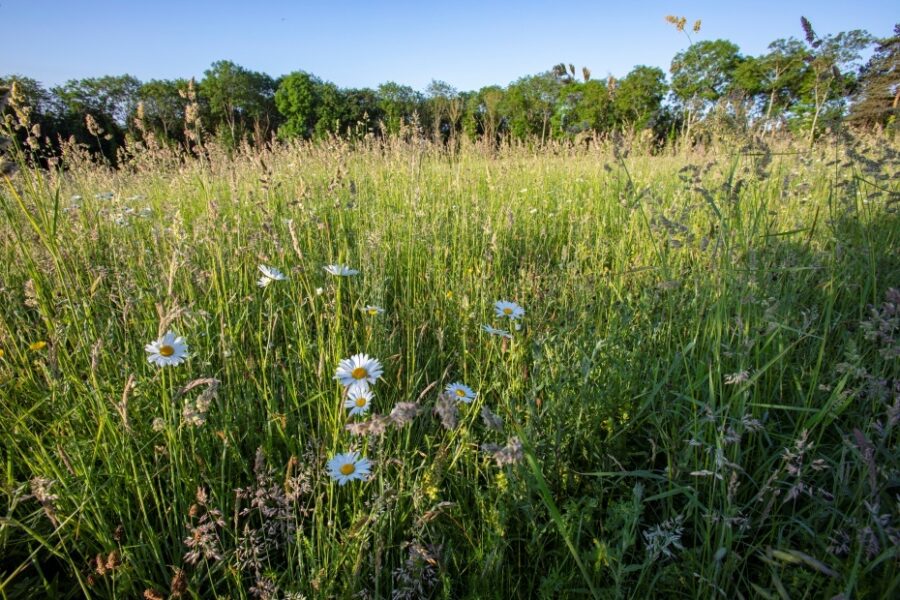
(269, 274)
(169, 350)
(372, 311)
(461, 392)
(360, 370)
(494, 331)
(347, 467)
(359, 399)
(340, 270)
(510, 310)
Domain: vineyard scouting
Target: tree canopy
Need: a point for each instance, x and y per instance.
(798, 84)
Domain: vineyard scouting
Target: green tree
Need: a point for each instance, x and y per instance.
(829, 78)
(239, 100)
(30, 113)
(877, 100)
(30, 91)
(398, 104)
(483, 116)
(529, 104)
(701, 75)
(638, 97)
(330, 110)
(446, 107)
(163, 107)
(584, 106)
(360, 107)
(110, 97)
(97, 110)
(297, 101)
(782, 75)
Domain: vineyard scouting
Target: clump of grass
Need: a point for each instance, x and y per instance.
(700, 399)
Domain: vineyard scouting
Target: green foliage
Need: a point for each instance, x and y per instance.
(876, 101)
(31, 108)
(780, 76)
(528, 105)
(715, 92)
(296, 99)
(639, 96)
(483, 116)
(445, 107)
(240, 101)
(32, 93)
(586, 106)
(828, 79)
(313, 108)
(109, 101)
(164, 104)
(704, 71)
(399, 105)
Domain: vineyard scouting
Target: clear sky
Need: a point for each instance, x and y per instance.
(354, 44)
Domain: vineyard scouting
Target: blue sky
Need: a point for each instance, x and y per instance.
(355, 44)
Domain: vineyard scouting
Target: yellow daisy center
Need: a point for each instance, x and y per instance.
(373, 311)
(360, 402)
(507, 311)
(460, 393)
(359, 373)
(348, 469)
(166, 350)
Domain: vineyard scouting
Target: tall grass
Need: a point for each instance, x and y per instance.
(705, 384)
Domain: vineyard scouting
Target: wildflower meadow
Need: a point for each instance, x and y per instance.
(388, 368)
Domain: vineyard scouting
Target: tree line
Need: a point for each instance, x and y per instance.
(799, 85)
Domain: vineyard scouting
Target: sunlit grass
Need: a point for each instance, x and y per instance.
(694, 402)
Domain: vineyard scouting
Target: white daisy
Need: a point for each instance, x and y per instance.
(270, 274)
(510, 310)
(494, 331)
(168, 350)
(358, 400)
(461, 392)
(372, 311)
(347, 467)
(359, 370)
(340, 270)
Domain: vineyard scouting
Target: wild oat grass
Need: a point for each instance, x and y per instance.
(702, 398)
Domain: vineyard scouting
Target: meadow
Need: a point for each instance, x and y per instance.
(700, 398)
